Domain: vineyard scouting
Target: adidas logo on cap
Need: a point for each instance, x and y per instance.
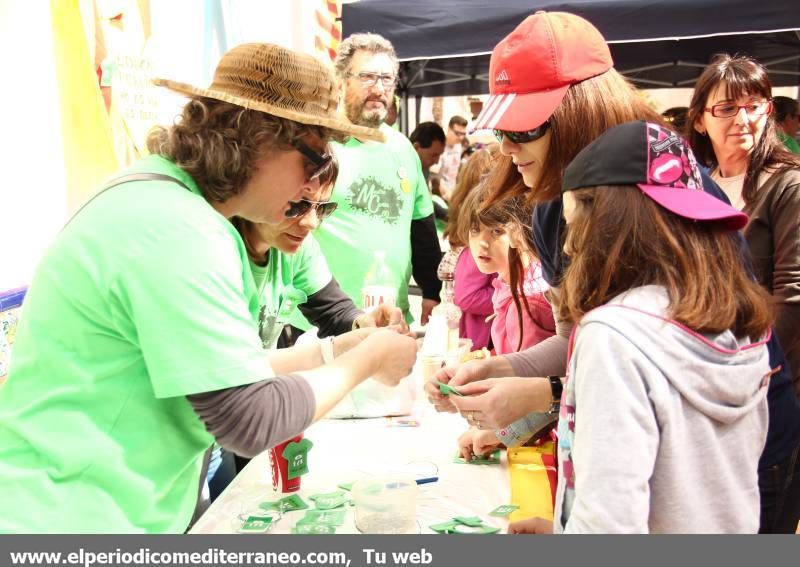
(502, 78)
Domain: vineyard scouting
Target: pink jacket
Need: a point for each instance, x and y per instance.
(505, 327)
(473, 294)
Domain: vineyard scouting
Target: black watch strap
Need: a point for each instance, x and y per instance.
(556, 387)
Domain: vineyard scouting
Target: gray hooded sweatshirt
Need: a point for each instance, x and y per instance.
(660, 428)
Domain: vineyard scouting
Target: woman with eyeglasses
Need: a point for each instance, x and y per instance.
(732, 133)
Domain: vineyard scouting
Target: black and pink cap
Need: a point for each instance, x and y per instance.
(656, 160)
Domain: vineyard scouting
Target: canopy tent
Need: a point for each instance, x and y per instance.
(444, 45)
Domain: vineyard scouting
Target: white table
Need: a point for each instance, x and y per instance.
(349, 450)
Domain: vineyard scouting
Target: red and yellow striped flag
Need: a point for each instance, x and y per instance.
(329, 28)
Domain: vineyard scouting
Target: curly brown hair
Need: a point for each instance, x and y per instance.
(217, 143)
(620, 239)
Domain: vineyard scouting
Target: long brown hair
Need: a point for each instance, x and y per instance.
(588, 109)
(514, 216)
(620, 239)
(741, 76)
(469, 175)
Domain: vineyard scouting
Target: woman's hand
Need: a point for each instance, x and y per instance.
(476, 443)
(394, 355)
(531, 526)
(494, 403)
(382, 316)
(461, 374)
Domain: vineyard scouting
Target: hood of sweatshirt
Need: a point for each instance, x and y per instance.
(720, 375)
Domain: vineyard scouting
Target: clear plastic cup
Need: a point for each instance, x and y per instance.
(386, 505)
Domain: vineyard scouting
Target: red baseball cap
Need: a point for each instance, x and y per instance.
(533, 66)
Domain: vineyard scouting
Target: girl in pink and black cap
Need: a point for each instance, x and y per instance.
(664, 412)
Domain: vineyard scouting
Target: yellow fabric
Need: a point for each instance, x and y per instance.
(530, 485)
(85, 128)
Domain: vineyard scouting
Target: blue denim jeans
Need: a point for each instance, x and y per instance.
(779, 486)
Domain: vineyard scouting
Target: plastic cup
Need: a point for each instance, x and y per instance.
(386, 505)
(280, 468)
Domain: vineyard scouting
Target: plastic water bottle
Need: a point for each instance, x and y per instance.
(379, 285)
(451, 313)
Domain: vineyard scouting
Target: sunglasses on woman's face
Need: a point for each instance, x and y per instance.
(319, 162)
(523, 137)
(299, 208)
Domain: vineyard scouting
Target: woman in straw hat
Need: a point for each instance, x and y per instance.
(554, 90)
(139, 346)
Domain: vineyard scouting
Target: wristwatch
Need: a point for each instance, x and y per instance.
(556, 387)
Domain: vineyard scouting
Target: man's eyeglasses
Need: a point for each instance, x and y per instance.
(320, 162)
(371, 79)
(299, 208)
(729, 110)
(523, 137)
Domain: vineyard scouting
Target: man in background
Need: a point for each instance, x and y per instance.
(787, 118)
(428, 140)
(384, 206)
(451, 158)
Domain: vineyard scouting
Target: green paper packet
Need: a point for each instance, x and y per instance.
(286, 504)
(473, 521)
(312, 528)
(348, 486)
(330, 517)
(504, 510)
(447, 389)
(492, 459)
(256, 525)
(444, 527)
(478, 530)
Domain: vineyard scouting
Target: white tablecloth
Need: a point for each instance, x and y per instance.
(349, 450)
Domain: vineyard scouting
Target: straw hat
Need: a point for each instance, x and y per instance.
(278, 81)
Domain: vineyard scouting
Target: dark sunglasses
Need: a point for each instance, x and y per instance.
(299, 208)
(523, 137)
(321, 162)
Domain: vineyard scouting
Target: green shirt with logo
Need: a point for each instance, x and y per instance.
(380, 190)
(144, 297)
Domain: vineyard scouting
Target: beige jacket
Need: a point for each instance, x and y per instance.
(773, 234)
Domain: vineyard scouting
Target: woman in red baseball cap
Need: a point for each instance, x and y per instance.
(553, 91)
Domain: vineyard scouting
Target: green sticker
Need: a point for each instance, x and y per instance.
(315, 529)
(482, 529)
(447, 389)
(444, 527)
(331, 517)
(296, 455)
(490, 459)
(287, 504)
(473, 521)
(348, 486)
(503, 511)
(256, 524)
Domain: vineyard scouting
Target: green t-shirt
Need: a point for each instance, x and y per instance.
(790, 143)
(380, 190)
(144, 297)
(305, 270)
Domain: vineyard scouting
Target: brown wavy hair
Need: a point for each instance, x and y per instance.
(217, 143)
(620, 239)
(741, 76)
(588, 109)
(468, 178)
